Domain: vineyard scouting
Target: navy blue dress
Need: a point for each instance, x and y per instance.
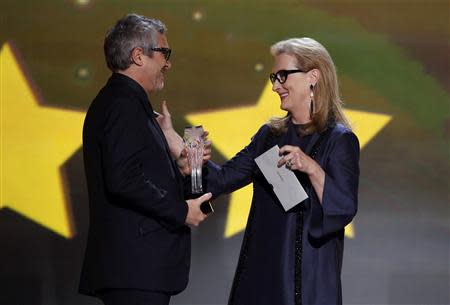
(293, 257)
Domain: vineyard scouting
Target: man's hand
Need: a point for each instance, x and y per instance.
(164, 118)
(174, 140)
(195, 215)
(176, 144)
(183, 163)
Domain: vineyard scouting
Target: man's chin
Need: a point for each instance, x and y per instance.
(159, 86)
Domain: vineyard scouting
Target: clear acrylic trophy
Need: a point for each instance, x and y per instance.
(194, 143)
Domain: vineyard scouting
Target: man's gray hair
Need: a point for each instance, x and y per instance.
(132, 31)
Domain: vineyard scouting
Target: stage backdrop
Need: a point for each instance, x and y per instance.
(393, 66)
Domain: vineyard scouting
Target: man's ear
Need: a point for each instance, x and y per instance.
(137, 56)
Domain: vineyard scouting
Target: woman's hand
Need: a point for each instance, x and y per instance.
(183, 160)
(296, 159)
(206, 147)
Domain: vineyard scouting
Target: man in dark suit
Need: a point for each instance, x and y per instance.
(138, 249)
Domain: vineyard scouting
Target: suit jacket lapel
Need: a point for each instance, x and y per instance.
(159, 136)
(157, 133)
(164, 143)
(174, 167)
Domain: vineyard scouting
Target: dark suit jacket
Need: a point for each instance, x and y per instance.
(137, 235)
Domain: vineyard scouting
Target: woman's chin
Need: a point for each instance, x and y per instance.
(284, 107)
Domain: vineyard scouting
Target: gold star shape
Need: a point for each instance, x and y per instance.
(35, 141)
(231, 129)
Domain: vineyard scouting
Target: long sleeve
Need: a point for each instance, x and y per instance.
(237, 172)
(127, 158)
(340, 194)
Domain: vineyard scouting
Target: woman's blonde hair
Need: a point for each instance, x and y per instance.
(310, 54)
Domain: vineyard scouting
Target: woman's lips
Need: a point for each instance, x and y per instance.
(283, 96)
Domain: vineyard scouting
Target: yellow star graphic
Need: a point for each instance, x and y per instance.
(35, 141)
(231, 130)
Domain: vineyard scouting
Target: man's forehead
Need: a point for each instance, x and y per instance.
(162, 41)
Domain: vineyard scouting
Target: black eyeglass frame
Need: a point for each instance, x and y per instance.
(277, 75)
(165, 51)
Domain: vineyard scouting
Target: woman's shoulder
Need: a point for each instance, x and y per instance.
(339, 129)
(263, 131)
(340, 132)
(263, 139)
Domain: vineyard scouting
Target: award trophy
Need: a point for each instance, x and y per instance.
(194, 143)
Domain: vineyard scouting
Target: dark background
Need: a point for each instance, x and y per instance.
(392, 58)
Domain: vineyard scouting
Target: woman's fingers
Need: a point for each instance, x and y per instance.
(292, 161)
(287, 149)
(285, 159)
(291, 158)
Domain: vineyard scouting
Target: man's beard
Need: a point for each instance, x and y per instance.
(159, 81)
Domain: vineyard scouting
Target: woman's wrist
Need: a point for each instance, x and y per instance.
(316, 171)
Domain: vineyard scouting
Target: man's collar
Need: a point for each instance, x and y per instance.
(117, 76)
(135, 87)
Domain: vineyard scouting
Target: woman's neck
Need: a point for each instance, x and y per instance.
(300, 118)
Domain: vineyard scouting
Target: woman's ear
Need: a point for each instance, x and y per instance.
(314, 75)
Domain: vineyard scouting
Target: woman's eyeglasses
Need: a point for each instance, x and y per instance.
(282, 75)
(165, 51)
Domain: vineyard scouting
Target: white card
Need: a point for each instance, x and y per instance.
(284, 182)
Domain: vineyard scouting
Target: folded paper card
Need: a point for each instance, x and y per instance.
(284, 182)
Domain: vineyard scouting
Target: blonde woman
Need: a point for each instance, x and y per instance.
(295, 257)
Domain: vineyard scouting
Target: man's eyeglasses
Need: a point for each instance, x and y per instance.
(165, 51)
(282, 75)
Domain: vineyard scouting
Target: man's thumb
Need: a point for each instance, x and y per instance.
(205, 197)
(164, 109)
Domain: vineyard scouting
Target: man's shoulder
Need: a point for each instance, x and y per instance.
(110, 97)
(111, 102)
(116, 92)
